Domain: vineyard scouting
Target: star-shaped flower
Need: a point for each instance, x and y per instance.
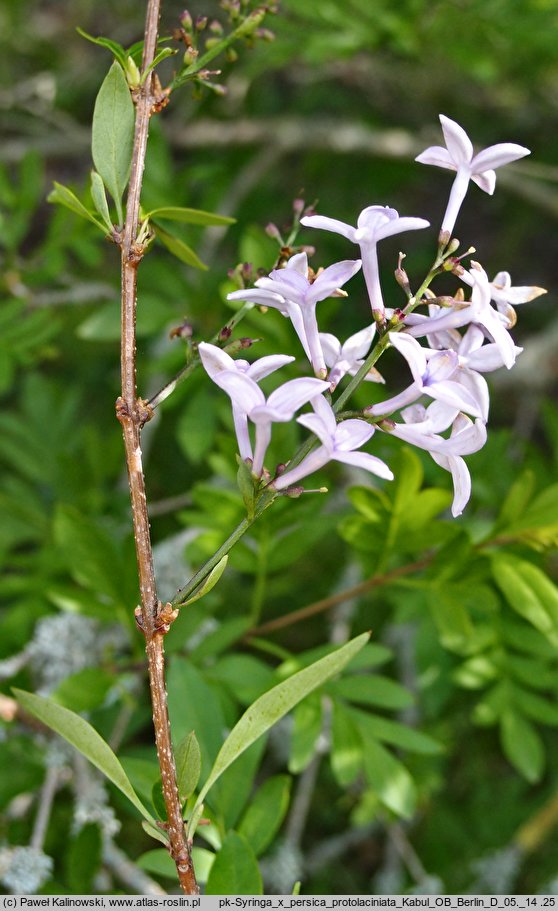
(478, 311)
(338, 443)
(291, 291)
(459, 156)
(436, 374)
(423, 427)
(349, 357)
(504, 294)
(280, 406)
(374, 223)
(216, 362)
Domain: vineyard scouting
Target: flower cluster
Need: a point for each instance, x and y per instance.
(463, 340)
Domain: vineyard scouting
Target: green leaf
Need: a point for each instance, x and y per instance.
(112, 46)
(306, 730)
(189, 216)
(83, 859)
(235, 869)
(522, 745)
(210, 581)
(273, 705)
(450, 616)
(161, 55)
(389, 778)
(113, 133)
(197, 426)
(64, 197)
(517, 500)
(266, 813)
(179, 249)
(373, 690)
(99, 198)
(231, 793)
(153, 830)
(188, 765)
(536, 707)
(347, 747)
(84, 738)
(397, 734)
(194, 706)
(528, 591)
(542, 514)
(89, 552)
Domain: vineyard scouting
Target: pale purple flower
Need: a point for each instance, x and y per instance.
(374, 223)
(280, 406)
(290, 291)
(338, 443)
(504, 294)
(423, 427)
(216, 362)
(436, 374)
(459, 156)
(478, 311)
(349, 357)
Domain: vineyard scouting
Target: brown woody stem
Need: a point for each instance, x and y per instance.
(132, 414)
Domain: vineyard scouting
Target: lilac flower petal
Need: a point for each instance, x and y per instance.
(331, 348)
(478, 390)
(325, 412)
(366, 461)
(437, 156)
(396, 402)
(486, 181)
(413, 353)
(311, 463)
(214, 359)
(258, 296)
(457, 396)
(242, 390)
(328, 224)
(439, 415)
(468, 439)
(458, 143)
(406, 223)
(312, 337)
(289, 397)
(461, 480)
(268, 364)
(299, 262)
(358, 345)
(285, 282)
(441, 366)
(332, 278)
(351, 434)
(488, 358)
(497, 155)
(315, 424)
(374, 218)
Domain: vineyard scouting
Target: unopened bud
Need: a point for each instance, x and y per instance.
(298, 206)
(459, 295)
(132, 73)
(453, 245)
(201, 23)
(190, 56)
(264, 34)
(186, 21)
(216, 27)
(185, 330)
(273, 231)
(386, 425)
(231, 55)
(225, 333)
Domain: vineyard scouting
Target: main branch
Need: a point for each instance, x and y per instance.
(132, 413)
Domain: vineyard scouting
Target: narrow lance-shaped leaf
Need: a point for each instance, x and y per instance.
(84, 738)
(273, 705)
(179, 249)
(188, 765)
(112, 46)
(64, 197)
(211, 580)
(99, 198)
(189, 216)
(113, 133)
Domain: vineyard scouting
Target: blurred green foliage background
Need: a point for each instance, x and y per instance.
(334, 109)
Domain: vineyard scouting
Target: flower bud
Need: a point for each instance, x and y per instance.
(201, 23)
(186, 21)
(190, 55)
(132, 73)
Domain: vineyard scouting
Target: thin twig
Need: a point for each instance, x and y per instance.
(132, 414)
(46, 800)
